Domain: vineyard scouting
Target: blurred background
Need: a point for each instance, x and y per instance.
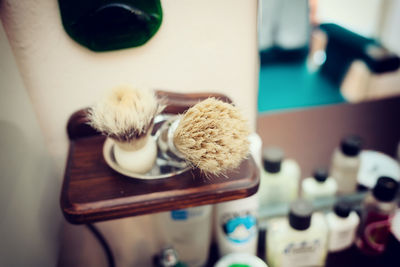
(292, 31)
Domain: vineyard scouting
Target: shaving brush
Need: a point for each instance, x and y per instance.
(126, 116)
(212, 136)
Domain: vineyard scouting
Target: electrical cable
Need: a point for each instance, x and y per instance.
(103, 243)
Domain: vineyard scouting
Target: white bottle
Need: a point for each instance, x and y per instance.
(342, 223)
(279, 181)
(240, 259)
(236, 226)
(299, 240)
(189, 232)
(318, 186)
(346, 163)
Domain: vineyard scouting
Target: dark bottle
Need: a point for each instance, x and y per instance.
(377, 210)
(391, 254)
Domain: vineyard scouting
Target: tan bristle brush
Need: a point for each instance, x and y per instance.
(211, 135)
(126, 116)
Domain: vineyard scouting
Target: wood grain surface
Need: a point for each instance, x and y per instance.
(93, 192)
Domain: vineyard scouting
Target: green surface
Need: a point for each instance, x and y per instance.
(103, 25)
(289, 85)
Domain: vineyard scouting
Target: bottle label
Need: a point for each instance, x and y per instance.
(346, 178)
(239, 227)
(339, 240)
(179, 215)
(276, 194)
(305, 253)
(186, 214)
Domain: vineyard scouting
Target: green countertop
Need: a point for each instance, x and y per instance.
(290, 85)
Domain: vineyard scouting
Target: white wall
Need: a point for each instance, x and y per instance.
(363, 17)
(378, 19)
(30, 216)
(201, 46)
(390, 33)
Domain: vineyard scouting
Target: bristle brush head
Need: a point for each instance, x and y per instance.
(212, 135)
(125, 113)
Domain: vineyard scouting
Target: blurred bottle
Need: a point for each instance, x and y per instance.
(189, 232)
(299, 240)
(236, 223)
(279, 181)
(319, 186)
(377, 211)
(342, 223)
(317, 55)
(375, 164)
(284, 28)
(240, 260)
(346, 163)
(393, 246)
(168, 258)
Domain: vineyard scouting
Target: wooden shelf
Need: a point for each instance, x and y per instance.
(93, 192)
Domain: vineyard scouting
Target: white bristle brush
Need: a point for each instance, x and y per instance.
(212, 136)
(126, 115)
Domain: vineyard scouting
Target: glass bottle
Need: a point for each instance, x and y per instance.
(168, 258)
(377, 211)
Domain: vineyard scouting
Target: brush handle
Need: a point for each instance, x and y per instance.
(137, 161)
(165, 142)
(171, 145)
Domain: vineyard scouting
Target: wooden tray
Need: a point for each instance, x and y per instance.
(93, 192)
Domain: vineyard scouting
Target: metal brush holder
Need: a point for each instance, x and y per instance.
(169, 161)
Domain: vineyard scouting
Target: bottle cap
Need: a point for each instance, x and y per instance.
(351, 145)
(272, 159)
(300, 214)
(342, 209)
(321, 174)
(385, 189)
(167, 257)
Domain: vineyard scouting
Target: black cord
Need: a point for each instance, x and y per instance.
(103, 243)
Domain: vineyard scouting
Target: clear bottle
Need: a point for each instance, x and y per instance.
(279, 181)
(346, 163)
(342, 223)
(189, 232)
(318, 186)
(299, 240)
(377, 211)
(168, 258)
(236, 226)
